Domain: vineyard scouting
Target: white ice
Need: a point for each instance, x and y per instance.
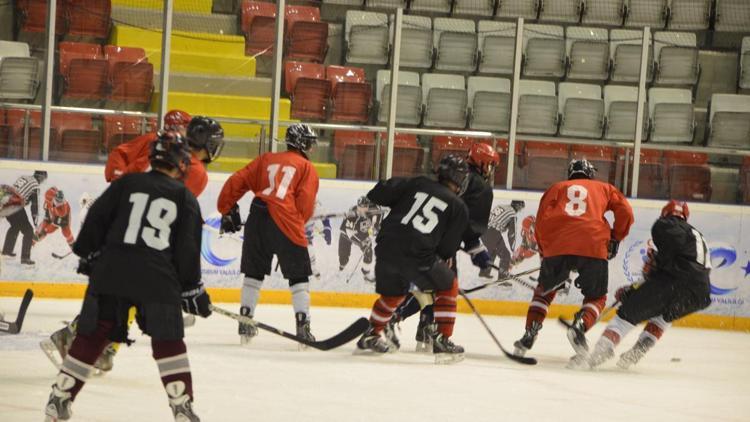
(272, 381)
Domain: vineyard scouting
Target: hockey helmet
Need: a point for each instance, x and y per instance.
(176, 120)
(582, 168)
(170, 149)
(300, 137)
(677, 208)
(205, 133)
(50, 194)
(517, 205)
(40, 176)
(59, 199)
(363, 201)
(453, 168)
(483, 157)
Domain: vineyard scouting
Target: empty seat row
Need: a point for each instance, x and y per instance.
(311, 86)
(306, 36)
(19, 73)
(744, 76)
(549, 51)
(91, 72)
(354, 152)
(88, 18)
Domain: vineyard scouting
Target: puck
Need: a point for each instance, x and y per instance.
(675, 360)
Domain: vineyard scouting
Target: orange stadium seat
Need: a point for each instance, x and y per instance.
(745, 181)
(652, 182)
(77, 139)
(407, 155)
(6, 149)
(308, 89)
(444, 145)
(89, 18)
(33, 16)
(131, 76)
(258, 23)
(545, 164)
(307, 35)
(355, 153)
(689, 175)
(84, 70)
(351, 94)
(120, 129)
(603, 158)
(15, 121)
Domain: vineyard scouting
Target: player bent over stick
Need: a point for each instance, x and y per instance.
(573, 234)
(152, 219)
(676, 284)
(420, 234)
(285, 185)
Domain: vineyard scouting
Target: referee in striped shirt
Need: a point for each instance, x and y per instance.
(503, 219)
(28, 188)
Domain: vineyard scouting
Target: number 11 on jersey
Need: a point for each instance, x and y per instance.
(286, 179)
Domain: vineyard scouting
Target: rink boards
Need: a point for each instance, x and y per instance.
(723, 227)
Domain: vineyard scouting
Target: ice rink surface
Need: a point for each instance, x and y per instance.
(272, 381)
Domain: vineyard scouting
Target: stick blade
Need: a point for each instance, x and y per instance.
(15, 327)
(353, 331)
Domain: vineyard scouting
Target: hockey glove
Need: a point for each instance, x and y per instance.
(195, 301)
(327, 235)
(479, 254)
(612, 248)
(86, 265)
(623, 293)
(231, 222)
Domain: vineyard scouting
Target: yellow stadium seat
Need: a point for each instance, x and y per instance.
(190, 6)
(232, 164)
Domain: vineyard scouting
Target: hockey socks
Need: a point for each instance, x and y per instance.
(382, 311)
(172, 360)
(539, 306)
(445, 309)
(408, 307)
(79, 362)
(250, 293)
(591, 309)
(654, 329)
(301, 298)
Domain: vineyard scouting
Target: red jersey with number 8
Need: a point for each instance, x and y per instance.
(286, 181)
(570, 219)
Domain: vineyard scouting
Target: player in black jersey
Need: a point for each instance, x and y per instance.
(140, 246)
(360, 228)
(676, 284)
(417, 240)
(482, 160)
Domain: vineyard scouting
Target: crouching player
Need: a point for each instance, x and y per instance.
(151, 219)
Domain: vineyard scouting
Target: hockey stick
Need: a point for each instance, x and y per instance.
(356, 329)
(509, 277)
(520, 359)
(15, 327)
(58, 256)
(359, 261)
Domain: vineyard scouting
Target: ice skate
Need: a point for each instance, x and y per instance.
(446, 351)
(426, 332)
(525, 343)
(105, 362)
(246, 331)
(59, 341)
(604, 350)
(578, 362)
(485, 273)
(303, 328)
(390, 332)
(373, 343)
(577, 335)
(60, 401)
(188, 320)
(632, 356)
(180, 402)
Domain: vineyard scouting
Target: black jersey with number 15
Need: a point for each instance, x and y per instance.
(426, 219)
(147, 227)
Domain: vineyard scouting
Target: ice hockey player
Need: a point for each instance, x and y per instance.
(56, 215)
(27, 187)
(528, 246)
(481, 160)
(322, 226)
(502, 220)
(573, 234)
(285, 185)
(360, 228)
(152, 219)
(676, 284)
(416, 243)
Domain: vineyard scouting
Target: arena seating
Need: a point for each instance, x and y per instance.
(587, 51)
(19, 73)
(489, 102)
(671, 115)
(366, 37)
(496, 45)
(351, 94)
(729, 121)
(581, 110)
(409, 107)
(456, 43)
(445, 100)
(308, 88)
(537, 108)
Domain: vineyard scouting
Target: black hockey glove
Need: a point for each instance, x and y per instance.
(612, 248)
(86, 265)
(479, 254)
(195, 301)
(231, 221)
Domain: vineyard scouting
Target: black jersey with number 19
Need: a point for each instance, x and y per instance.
(426, 219)
(147, 227)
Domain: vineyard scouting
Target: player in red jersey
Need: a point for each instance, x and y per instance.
(56, 215)
(285, 185)
(573, 235)
(528, 246)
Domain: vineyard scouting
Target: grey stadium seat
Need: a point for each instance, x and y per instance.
(625, 55)
(456, 44)
(620, 109)
(513, 9)
(366, 37)
(444, 99)
(409, 107)
(544, 50)
(416, 42)
(497, 43)
(732, 16)
(603, 12)
(729, 121)
(581, 110)
(671, 114)
(676, 55)
(19, 78)
(537, 108)
(689, 14)
(567, 11)
(652, 13)
(588, 53)
(489, 99)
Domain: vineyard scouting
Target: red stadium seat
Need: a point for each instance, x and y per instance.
(90, 18)
(745, 181)
(342, 138)
(307, 36)
(6, 148)
(652, 181)
(407, 155)
(545, 164)
(84, 70)
(120, 129)
(603, 158)
(115, 54)
(258, 23)
(351, 94)
(15, 122)
(77, 139)
(33, 16)
(132, 82)
(689, 175)
(444, 145)
(308, 89)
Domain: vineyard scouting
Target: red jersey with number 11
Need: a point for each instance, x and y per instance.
(286, 181)
(570, 219)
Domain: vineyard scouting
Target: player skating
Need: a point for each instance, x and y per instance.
(151, 219)
(481, 160)
(676, 284)
(573, 234)
(56, 216)
(502, 220)
(285, 185)
(322, 226)
(360, 228)
(528, 246)
(27, 187)
(418, 238)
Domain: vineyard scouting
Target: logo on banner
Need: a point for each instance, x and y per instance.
(723, 257)
(215, 250)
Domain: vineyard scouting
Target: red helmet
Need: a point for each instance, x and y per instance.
(676, 208)
(176, 119)
(484, 157)
(49, 196)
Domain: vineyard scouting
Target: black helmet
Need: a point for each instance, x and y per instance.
(300, 137)
(170, 149)
(454, 169)
(578, 169)
(40, 175)
(517, 205)
(363, 202)
(207, 134)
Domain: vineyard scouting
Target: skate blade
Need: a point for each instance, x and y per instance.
(580, 349)
(448, 358)
(246, 341)
(188, 320)
(578, 363)
(624, 365)
(50, 351)
(366, 352)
